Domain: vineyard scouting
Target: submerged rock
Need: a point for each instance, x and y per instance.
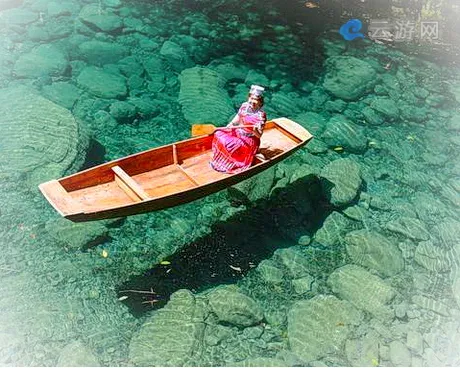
(387, 107)
(101, 83)
(41, 140)
(76, 354)
(334, 228)
(232, 306)
(194, 82)
(448, 232)
(285, 103)
(295, 262)
(320, 326)
(100, 53)
(100, 19)
(260, 362)
(16, 16)
(269, 272)
(172, 336)
(373, 250)
(312, 121)
(62, 93)
(363, 351)
(123, 111)
(356, 213)
(410, 227)
(366, 291)
(399, 354)
(255, 188)
(341, 181)
(175, 56)
(77, 235)
(431, 304)
(340, 132)
(43, 60)
(431, 257)
(303, 285)
(455, 277)
(372, 116)
(348, 78)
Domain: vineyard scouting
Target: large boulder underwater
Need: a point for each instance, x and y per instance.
(41, 140)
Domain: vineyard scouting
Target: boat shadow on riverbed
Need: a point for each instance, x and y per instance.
(233, 247)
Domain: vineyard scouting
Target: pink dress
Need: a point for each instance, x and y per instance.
(234, 149)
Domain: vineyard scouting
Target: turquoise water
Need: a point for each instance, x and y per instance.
(346, 253)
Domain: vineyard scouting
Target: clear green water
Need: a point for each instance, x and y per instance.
(63, 283)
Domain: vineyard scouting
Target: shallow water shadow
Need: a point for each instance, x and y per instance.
(233, 247)
(95, 155)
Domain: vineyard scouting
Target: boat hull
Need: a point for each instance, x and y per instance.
(62, 193)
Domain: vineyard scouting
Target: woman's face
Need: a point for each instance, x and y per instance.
(253, 101)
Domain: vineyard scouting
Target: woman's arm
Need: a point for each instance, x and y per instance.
(235, 121)
(259, 127)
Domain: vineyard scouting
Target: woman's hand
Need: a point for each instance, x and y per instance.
(257, 132)
(235, 121)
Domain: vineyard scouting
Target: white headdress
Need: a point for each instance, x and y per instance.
(257, 90)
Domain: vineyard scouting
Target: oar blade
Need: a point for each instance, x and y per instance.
(202, 129)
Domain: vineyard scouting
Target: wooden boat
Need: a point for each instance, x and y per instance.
(162, 177)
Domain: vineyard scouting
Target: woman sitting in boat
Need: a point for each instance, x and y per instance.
(234, 149)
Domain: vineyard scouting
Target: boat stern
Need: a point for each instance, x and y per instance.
(60, 199)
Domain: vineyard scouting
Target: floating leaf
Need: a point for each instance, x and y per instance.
(311, 5)
(165, 263)
(338, 149)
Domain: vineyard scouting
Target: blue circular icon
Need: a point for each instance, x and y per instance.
(350, 29)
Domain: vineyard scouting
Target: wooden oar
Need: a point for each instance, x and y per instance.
(205, 129)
